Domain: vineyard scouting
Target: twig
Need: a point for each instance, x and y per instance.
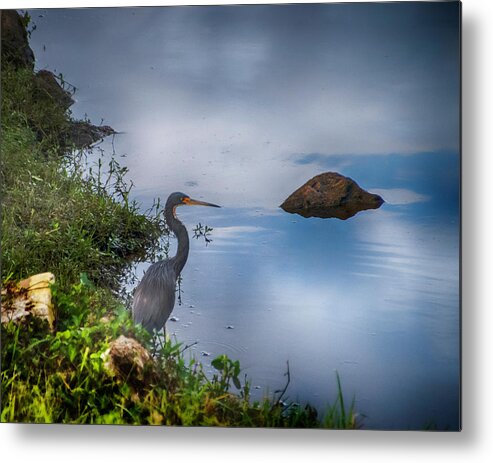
(188, 347)
(288, 374)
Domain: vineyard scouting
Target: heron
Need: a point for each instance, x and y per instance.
(154, 296)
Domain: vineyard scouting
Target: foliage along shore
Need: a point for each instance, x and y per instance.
(60, 214)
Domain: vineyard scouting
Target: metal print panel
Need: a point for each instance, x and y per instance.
(232, 216)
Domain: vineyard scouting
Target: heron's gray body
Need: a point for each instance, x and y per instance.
(154, 297)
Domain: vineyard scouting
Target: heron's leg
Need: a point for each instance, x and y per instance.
(162, 340)
(154, 341)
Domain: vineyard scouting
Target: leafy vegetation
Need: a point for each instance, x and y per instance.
(69, 214)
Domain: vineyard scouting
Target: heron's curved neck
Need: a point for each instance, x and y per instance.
(181, 234)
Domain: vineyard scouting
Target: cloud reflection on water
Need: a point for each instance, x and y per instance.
(224, 95)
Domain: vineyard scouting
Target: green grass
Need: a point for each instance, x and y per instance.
(25, 103)
(70, 213)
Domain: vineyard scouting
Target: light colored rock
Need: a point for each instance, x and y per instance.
(29, 298)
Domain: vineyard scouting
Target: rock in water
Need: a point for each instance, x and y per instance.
(330, 195)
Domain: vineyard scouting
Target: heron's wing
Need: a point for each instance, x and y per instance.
(154, 297)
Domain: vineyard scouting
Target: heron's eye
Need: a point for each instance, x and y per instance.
(185, 199)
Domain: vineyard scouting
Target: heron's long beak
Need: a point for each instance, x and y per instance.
(195, 202)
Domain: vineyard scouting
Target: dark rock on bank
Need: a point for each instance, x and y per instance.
(82, 134)
(47, 90)
(330, 195)
(47, 86)
(15, 45)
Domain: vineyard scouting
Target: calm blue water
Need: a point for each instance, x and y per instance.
(375, 298)
(240, 106)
